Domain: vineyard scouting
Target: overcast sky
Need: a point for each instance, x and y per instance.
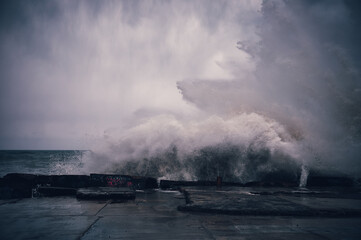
(71, 72)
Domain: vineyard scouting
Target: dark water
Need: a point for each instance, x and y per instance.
(40, 161)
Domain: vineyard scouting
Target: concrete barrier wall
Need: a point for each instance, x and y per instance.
(21, 185)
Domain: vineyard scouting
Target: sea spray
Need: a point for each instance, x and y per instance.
(67, 162)
(295, 110)
(239, 148)
(304, 176)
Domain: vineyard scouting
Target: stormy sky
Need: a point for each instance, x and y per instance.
(73, 73)
(72, 70)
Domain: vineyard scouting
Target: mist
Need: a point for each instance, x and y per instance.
(185, 89)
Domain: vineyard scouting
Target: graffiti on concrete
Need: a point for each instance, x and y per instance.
(118, 181)
(111, 180)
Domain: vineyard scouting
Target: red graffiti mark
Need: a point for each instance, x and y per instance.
(118, 181)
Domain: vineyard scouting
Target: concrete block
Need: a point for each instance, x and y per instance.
(110, 180)
(18, 185)
(104, 193)
(329, 181)
(56, 191)
(113, 180)
(70, 181)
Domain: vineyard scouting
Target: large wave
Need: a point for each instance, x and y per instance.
(238, 148)
(297, 110)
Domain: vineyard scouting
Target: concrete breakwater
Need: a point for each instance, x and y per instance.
(129, 207)
(22, 185)
(154, 215)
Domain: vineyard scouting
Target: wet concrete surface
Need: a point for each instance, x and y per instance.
(246, 201)
(155, 216)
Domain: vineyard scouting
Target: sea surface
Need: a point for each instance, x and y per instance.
(41, 161)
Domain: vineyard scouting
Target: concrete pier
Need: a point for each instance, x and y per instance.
(273, 202)
(154, 215)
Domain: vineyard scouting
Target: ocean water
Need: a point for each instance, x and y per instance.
(41, 162)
